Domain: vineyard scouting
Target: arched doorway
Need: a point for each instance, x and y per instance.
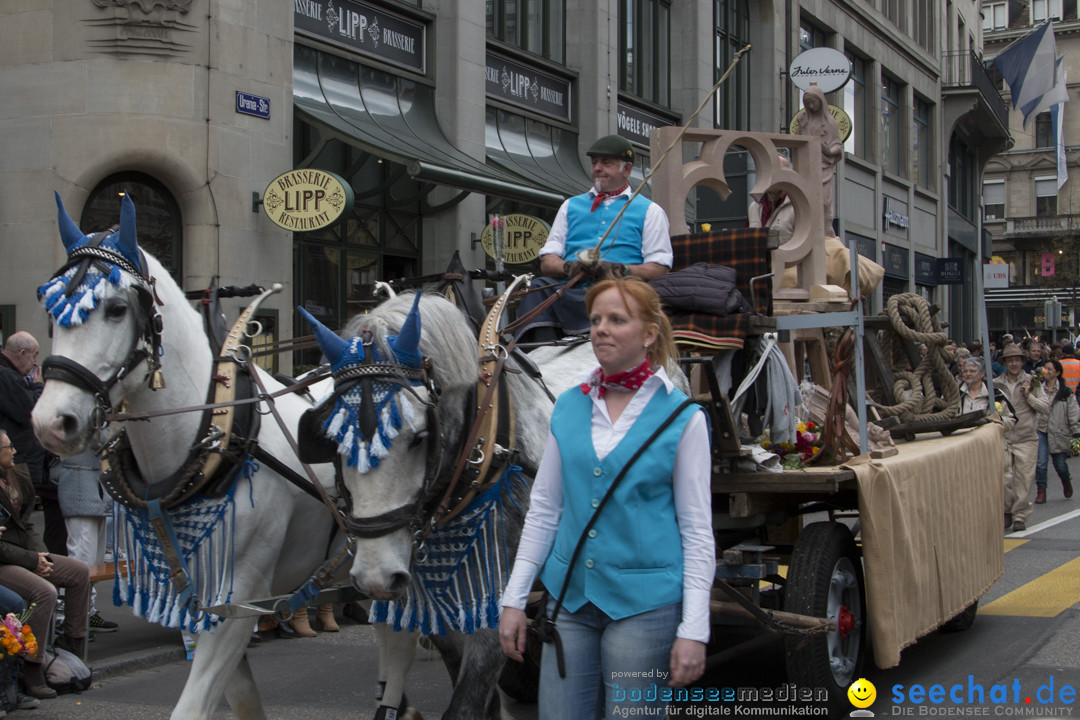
(157, 214)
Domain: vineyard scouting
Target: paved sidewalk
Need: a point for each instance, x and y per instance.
(136, 644)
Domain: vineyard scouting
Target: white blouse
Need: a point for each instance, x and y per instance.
(691, 479)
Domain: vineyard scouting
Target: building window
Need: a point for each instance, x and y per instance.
(537, 26)
(810, 36)
(995, 16)
(994, 200)
(1042, 10)
(157, 216)
(924, 24)
(891, 152)
(1045, 196)
(920, 116)
(1044, 130)
(732, 18)
(896, 12)
(645, 49)
(855, 106)
(962, 178)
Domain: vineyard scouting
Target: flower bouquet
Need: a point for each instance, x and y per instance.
(16, 635)
(1038, 376)
(796, 455)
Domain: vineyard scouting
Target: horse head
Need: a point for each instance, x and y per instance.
(96, 355)
(399, 388)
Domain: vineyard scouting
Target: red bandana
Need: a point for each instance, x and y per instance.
(624, 381)
(601, 196)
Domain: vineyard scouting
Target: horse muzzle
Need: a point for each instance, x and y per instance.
(379, 573)
(58, 427)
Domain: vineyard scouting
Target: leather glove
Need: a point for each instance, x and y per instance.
(572, 268)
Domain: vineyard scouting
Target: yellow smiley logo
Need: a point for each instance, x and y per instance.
(862, 693)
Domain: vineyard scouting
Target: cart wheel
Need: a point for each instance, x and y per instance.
(825, 579)
(963, 621)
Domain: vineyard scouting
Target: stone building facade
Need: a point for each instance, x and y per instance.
(1035, 223)
(440, 114)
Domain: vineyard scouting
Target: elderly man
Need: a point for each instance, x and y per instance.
(639, 243)
(20, 388)
(1021, 441)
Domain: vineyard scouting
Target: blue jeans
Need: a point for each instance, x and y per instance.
(610, 664)
(1060, 459)
(10, 602)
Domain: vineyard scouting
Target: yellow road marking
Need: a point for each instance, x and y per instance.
(1013, 543)
(1046, 596)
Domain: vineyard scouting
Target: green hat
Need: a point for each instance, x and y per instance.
(612, 146)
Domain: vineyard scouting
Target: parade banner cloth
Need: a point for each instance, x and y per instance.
(931, 533)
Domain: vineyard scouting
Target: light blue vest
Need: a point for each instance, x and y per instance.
(632, 561)
(585, 228)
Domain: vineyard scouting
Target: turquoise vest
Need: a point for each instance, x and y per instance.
(585, 228)
(632, 561)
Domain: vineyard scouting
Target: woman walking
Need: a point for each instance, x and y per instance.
(634, 613)
(1056, 429)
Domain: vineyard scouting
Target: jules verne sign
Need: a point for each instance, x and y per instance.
(526, 87)
(364, 29)
(827, 67)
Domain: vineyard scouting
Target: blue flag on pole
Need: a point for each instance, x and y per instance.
(1028, 66)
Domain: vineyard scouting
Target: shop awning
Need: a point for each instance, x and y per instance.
(544, 153)
(536, 150)
(394, 118)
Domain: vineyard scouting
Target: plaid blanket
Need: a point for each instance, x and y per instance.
(747, 252)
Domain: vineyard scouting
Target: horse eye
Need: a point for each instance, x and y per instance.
(418, 438)
(116, 312)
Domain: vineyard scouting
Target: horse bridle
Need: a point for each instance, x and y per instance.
(412, 514)
(144, 348)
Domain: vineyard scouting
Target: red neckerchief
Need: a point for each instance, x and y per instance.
(624, 382)
(601, 196)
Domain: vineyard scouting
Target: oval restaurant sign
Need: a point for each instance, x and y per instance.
(827, 67)
(523, 236)
(306, 200)
(843, 121)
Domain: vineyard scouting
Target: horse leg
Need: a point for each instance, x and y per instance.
(396, 653)
(217, 656)
(241, 692)
(481, 663)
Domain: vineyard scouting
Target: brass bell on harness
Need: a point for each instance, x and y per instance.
(157, 379)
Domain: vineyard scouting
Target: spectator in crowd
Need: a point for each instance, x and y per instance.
(85, 506)
(974, 394)
(1070, 367)
(1056, 429)
(1021, 440)
(30, 570)
(20, 388)
(1034, 359)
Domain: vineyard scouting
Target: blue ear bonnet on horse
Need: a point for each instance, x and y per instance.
(344, 424)
(70, 306)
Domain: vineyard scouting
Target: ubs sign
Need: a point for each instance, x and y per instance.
(307, 200)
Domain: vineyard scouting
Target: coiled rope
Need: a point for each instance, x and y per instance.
(912, 321)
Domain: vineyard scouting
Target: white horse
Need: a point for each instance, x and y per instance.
(125, 311)
(395, 468)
